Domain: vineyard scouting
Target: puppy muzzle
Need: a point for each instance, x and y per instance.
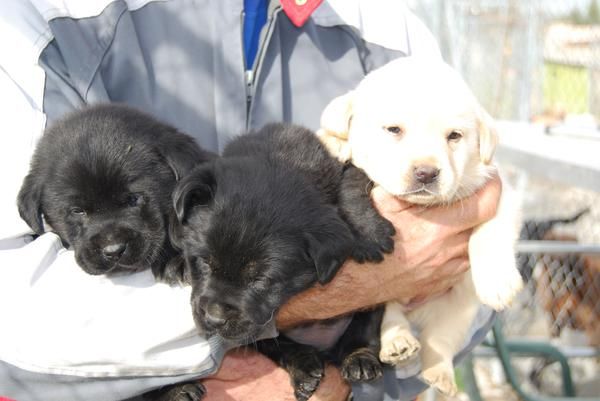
(113, 250)
(227, 320)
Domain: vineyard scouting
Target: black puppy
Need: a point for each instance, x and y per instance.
(270, 218)
(102, 178)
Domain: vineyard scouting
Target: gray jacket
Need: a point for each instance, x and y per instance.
(183, 61)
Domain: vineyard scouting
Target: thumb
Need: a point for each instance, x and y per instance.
(386, 202)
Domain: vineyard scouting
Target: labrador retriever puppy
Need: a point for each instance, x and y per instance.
(267, 220)
(101, 178)
(416, 130)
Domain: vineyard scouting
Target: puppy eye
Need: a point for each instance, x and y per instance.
(394, 129)
(454, 135)
(77, 211)
(133, 200)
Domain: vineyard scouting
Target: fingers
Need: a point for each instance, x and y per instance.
(454, 249)
(250, 376)
(453, 273)
(243, 362)
(488, 198)
(246, 375)
(424, 248)
(387, 203)
(468, 212)
(456, 217)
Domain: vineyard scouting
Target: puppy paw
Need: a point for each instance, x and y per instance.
(372, 244)
(498, 290)
(306, 372)
(400, 348)
(365, 251)
(175, 272)
(441, 377)
(384, 235)
(361, 365)
(180, 392)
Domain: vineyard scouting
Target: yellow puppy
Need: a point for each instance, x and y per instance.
(417, 130)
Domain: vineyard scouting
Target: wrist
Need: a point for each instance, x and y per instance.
(355, 287)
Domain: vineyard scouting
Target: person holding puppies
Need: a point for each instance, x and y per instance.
(71, 336)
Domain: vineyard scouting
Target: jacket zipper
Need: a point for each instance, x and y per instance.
(251, 75)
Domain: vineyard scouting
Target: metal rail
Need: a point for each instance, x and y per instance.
(556, 247)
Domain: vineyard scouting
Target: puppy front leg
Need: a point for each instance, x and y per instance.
(398, 344)
(374, 234)
(492, 255)
(444, 323)
(303, 362)
(356, 351)
(177, 392)
(174, 272)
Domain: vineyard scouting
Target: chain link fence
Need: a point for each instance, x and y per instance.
(538, 62)
(525, 60)
(559, 258)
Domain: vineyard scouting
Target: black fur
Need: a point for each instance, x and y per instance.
(263, 223)
(535, 230)
(356, 353)
(191, 391)
(373, 233)
(102, 178)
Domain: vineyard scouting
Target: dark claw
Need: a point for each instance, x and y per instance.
(179, 392)
(360, 366)
(304, 389)
(387, 245)
(367, 252)
(372, 247)
(306, 372)
(384, 236)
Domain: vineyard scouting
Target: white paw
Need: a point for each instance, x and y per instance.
(399, 348)
(499, 290)
(441, 377)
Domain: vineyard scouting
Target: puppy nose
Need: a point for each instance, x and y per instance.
(215, 314)
(426, 174)
(114, 251)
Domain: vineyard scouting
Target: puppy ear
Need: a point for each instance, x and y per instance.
(488, 136)
(182, 154)
(329, 248)
(29, 203)
(195, 189)
(335, 126)
(337, 115)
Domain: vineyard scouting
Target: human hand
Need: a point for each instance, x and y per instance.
(431, 244)
(247, 375)
(430, 253)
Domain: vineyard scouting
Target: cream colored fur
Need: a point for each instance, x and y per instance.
(400, 117)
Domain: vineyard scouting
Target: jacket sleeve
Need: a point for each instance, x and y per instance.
(55, 318)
